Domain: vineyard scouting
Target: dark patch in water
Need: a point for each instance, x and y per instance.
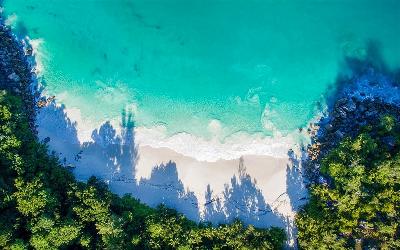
(96, 71)
(124, 51)
(138, 16)
(52, 14)
(130, 8)
(157, 27)
(352, 67)
(136, 68)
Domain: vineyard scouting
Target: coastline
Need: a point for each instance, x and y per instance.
(70, 230)
(259, 190)
(181, 182)
(217, 191)
(253, 188)
(266, 191)
(263, 189)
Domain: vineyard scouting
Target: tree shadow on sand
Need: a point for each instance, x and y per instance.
(295, 179)
(164, 186)
(53, 122)
(109, 154)
(296, 188)
(103, 156)
(242, 199)
(112, 156)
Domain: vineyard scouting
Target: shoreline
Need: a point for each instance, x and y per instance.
(153, 174)
(160, 175)
(233, 193)
(68, 147)
(213, 149)
(58, 190)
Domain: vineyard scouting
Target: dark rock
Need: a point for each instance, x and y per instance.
(29, 51)
(16, 72)
(371, 113)
(361, 108)
(340, 113)
(328, 127)
(322, 180)
(350, 106)
(46, 140)
(341, 102)
(14, 77)
(339, 134)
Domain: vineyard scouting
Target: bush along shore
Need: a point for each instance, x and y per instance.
(42, 206)
(353, 166)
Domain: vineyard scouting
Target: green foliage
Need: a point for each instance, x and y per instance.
(361, 201)
(42, 206)
(47, 234)
(387, 124)
(236, 236)
(32, 199)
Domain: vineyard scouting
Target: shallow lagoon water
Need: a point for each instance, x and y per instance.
(207, 68)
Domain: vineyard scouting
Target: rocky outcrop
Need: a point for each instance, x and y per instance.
(16, 70)
(353, 110)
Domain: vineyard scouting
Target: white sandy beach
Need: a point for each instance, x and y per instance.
(259, 189)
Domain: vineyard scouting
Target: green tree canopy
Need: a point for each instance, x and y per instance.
(359, 203)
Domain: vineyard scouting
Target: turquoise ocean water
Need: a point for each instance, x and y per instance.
(254, 66)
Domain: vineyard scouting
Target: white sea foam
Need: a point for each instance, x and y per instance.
(215, 127)
(211, 150)
(267, 119)
(11, 20)
(233, 147)
(37, 47)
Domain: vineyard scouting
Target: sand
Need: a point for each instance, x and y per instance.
(258, 189)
